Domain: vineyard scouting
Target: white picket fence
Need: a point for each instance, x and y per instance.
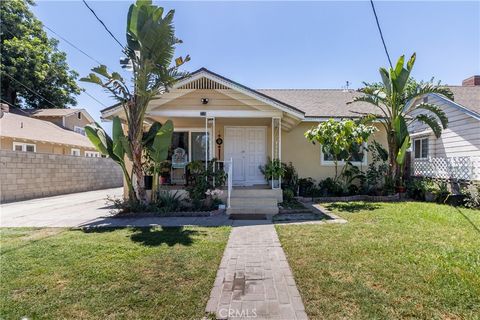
(458, 168)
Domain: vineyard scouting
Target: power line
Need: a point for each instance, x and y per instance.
(74, 46)
(381, 34)
(103, 24)
(88, 94)
(31, 90)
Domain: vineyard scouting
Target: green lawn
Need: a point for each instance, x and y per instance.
(138, 273)
(390, 261)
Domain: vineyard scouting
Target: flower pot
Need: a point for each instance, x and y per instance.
(163, 180)
(148, 182)
(400, 189)
(275, 184)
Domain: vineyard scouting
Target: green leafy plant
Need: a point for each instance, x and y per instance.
(168, 201)
(115, 148)
(273, 169)
(150, 49)
(204, 179)
(377, 168)
(30, 59)
(306, 186)
(290, 177)
(340, 139)
(398, 100)
(471, 193)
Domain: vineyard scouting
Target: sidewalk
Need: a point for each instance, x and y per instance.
(254, 280)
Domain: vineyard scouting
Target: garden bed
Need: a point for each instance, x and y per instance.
(360, 197)
(168, 214)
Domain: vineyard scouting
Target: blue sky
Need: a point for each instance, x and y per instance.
(285, 44)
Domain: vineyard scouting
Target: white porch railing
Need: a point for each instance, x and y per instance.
(459, 168)
(228, 168)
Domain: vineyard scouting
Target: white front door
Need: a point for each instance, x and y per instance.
(247, 148)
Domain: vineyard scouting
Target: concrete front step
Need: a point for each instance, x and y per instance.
(257, 193)
(253, 202)
(252, 210)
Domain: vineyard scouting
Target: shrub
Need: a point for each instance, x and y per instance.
(288, 195)
(203, 179)
(290, 177)
(330, 187)
(471, 195)
(306, 187)
(168, 201)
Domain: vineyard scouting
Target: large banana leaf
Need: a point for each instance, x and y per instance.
(98, 138)
(402, 152)
(161, 142)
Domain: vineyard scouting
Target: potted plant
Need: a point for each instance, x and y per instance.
(165, 168)
(148, 169)
(273, 171)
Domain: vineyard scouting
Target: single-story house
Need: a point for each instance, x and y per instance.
(458, 148)
(58, 131)
(215, 117)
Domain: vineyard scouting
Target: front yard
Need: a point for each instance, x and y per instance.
(391, 260)
(130, 273)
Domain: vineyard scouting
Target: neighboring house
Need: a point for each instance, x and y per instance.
(58, 132)
(71, 119)
(215, 117)
(458, 148)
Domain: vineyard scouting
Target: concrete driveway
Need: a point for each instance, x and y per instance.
(60, 211)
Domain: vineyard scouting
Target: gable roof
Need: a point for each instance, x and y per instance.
(316, 104)
(14, 125)
(59, 113)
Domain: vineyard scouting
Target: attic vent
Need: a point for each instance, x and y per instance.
(203, 83)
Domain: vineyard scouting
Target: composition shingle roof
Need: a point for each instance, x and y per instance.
(322, 102)
(53, 112)
(467, 96)
(24, 127)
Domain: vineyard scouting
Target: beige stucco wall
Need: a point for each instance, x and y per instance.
(306, 157)
(6, 143)
(27, 175)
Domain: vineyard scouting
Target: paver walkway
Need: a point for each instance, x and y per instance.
(254, 280)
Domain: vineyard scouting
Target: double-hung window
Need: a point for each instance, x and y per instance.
(25, 147)
(420, 148)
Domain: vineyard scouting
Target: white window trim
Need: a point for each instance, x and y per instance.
(428, 148)
(94, 154)
(201, 130)
(81, 128)
(24, 146)
(74, 149)
(329, 163)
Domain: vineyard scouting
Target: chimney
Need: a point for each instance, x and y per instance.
(472, 81)
(4, 107)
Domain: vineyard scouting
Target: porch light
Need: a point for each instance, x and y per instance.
(204, 100)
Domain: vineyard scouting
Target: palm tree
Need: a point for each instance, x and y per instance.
(149, 52)
(397, 98)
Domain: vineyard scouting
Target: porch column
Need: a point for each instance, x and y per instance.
(209, 136)
(276, 147)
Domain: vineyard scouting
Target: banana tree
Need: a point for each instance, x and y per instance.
(115, 148)
(399, 104)
(149, 51)
(157, 142)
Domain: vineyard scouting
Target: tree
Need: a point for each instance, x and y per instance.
(340, 139)
(397, 98)
(30, 59)
(150, 48)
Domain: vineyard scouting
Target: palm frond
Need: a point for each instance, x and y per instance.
(429, 88)
(430, 121)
